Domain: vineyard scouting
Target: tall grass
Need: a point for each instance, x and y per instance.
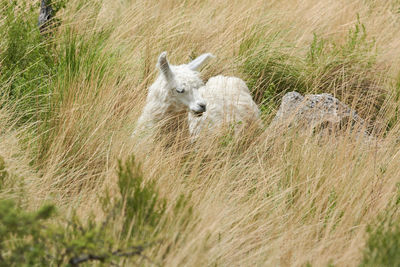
(264, 198)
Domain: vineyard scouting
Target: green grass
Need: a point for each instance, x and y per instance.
(270, 72)
(345, 70)
(27, 61)
(383, 244)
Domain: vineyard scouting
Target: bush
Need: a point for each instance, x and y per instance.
(31, 239)
(383, 244)
(23, 237)
(140, 204)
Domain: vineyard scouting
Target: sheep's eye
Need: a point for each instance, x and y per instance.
(181, 91)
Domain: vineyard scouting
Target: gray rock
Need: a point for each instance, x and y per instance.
(312, 111)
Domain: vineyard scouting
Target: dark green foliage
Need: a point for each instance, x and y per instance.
(57, 5)
(140, 204)
(3, 171)
(141, 209)
(383, 244)
(23, 236)
(30, 239)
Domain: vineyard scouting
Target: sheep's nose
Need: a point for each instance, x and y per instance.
(203, 106)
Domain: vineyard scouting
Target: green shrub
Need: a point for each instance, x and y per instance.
(23, 237)
(383, 244)
(140, 203)
(146, 220)
(31, 239)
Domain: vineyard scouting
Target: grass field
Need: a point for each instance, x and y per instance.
(68, 105)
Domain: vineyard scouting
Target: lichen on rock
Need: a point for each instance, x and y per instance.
(315, 110)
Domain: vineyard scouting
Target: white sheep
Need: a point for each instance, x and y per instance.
(173, 94)
(229, 103)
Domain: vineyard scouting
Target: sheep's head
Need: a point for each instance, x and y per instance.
(183, 82)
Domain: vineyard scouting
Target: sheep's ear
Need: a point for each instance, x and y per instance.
(164, 67)
(200, 61)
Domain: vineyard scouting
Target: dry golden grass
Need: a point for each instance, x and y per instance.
(265, 199)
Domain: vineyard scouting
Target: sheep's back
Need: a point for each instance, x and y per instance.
(228, 102)
(228, 99)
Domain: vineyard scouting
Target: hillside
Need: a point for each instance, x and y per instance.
(76, 188)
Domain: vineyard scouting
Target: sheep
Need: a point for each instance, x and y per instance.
(229, 103)
(173, 94)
